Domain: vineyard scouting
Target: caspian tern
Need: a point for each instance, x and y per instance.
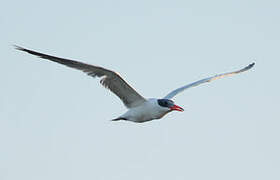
(140, 109)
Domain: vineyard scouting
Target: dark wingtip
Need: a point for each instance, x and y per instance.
(252, 64)
(249, 66)
(19, 48)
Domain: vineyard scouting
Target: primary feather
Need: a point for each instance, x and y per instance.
(110, 79)
(209, 79)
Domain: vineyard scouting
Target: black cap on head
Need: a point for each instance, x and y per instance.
(165, 103)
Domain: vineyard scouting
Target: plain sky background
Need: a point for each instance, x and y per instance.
(54, 121)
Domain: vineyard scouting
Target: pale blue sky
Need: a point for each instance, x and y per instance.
(54, 121)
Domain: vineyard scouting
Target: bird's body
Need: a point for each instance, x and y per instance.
(140, 109)
(147, 111)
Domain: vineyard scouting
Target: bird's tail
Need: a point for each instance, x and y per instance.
(118, 119)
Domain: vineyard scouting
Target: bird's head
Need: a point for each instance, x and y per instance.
(167, 103)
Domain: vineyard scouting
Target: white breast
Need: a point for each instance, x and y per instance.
(146, 112)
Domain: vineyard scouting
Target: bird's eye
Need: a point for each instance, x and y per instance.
(163, 103)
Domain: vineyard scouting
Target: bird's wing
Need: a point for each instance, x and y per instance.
(176, 91)
(110, 79)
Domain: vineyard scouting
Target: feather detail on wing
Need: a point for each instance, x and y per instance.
(176, 91)
(110, 79)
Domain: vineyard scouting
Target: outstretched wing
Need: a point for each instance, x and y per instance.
(110, 79)
(176, 91)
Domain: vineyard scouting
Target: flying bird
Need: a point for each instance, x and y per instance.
(139, 108)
